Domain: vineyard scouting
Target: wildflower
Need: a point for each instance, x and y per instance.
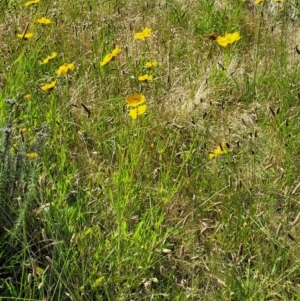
(220, 150)
(258, 1)
(135, 100)
(65, 68)
(32, 2)
(116, 51)
(145, 77)
(145, 33)
(27, 96)
(110, 56)
(106, 59)
(48, 58)
(228, 39)
(25, 36)
(32, 155)
(136, 104)
(151, 64)
(43, 21)
(49, 86)
(139, 110)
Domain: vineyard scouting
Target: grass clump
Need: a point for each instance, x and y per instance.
(149, 150)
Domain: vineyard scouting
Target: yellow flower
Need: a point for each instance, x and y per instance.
(43, 20)
(135, 100)
(116, 51)
(32, 155)
(151, 64)
(106, 59)
(145, 77)
(220, 150)
(25, 36)
(110, 56)
(65, 68)
(258, 1)
(27, 96)
(49, 86)
(48, 58)
(145, 33)
(136, 105)
(228, 39)
(134, 112)
(32, 2)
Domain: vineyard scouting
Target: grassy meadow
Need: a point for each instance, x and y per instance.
(148, 154)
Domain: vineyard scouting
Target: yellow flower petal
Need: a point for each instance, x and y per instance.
(106, 59)
(222, 41)
(220, 150)
(32, 2)
(145, 77)
(71, 66)
(48, 58)
(151, 64)
(145, 33)
(43, 20)
(228, 39)
(62, 70)
(49, 86)
(116, 51)
(25, 36)
(233, 37)
(110, 56)
(134, 112)
(135, 100)
(65, 68)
